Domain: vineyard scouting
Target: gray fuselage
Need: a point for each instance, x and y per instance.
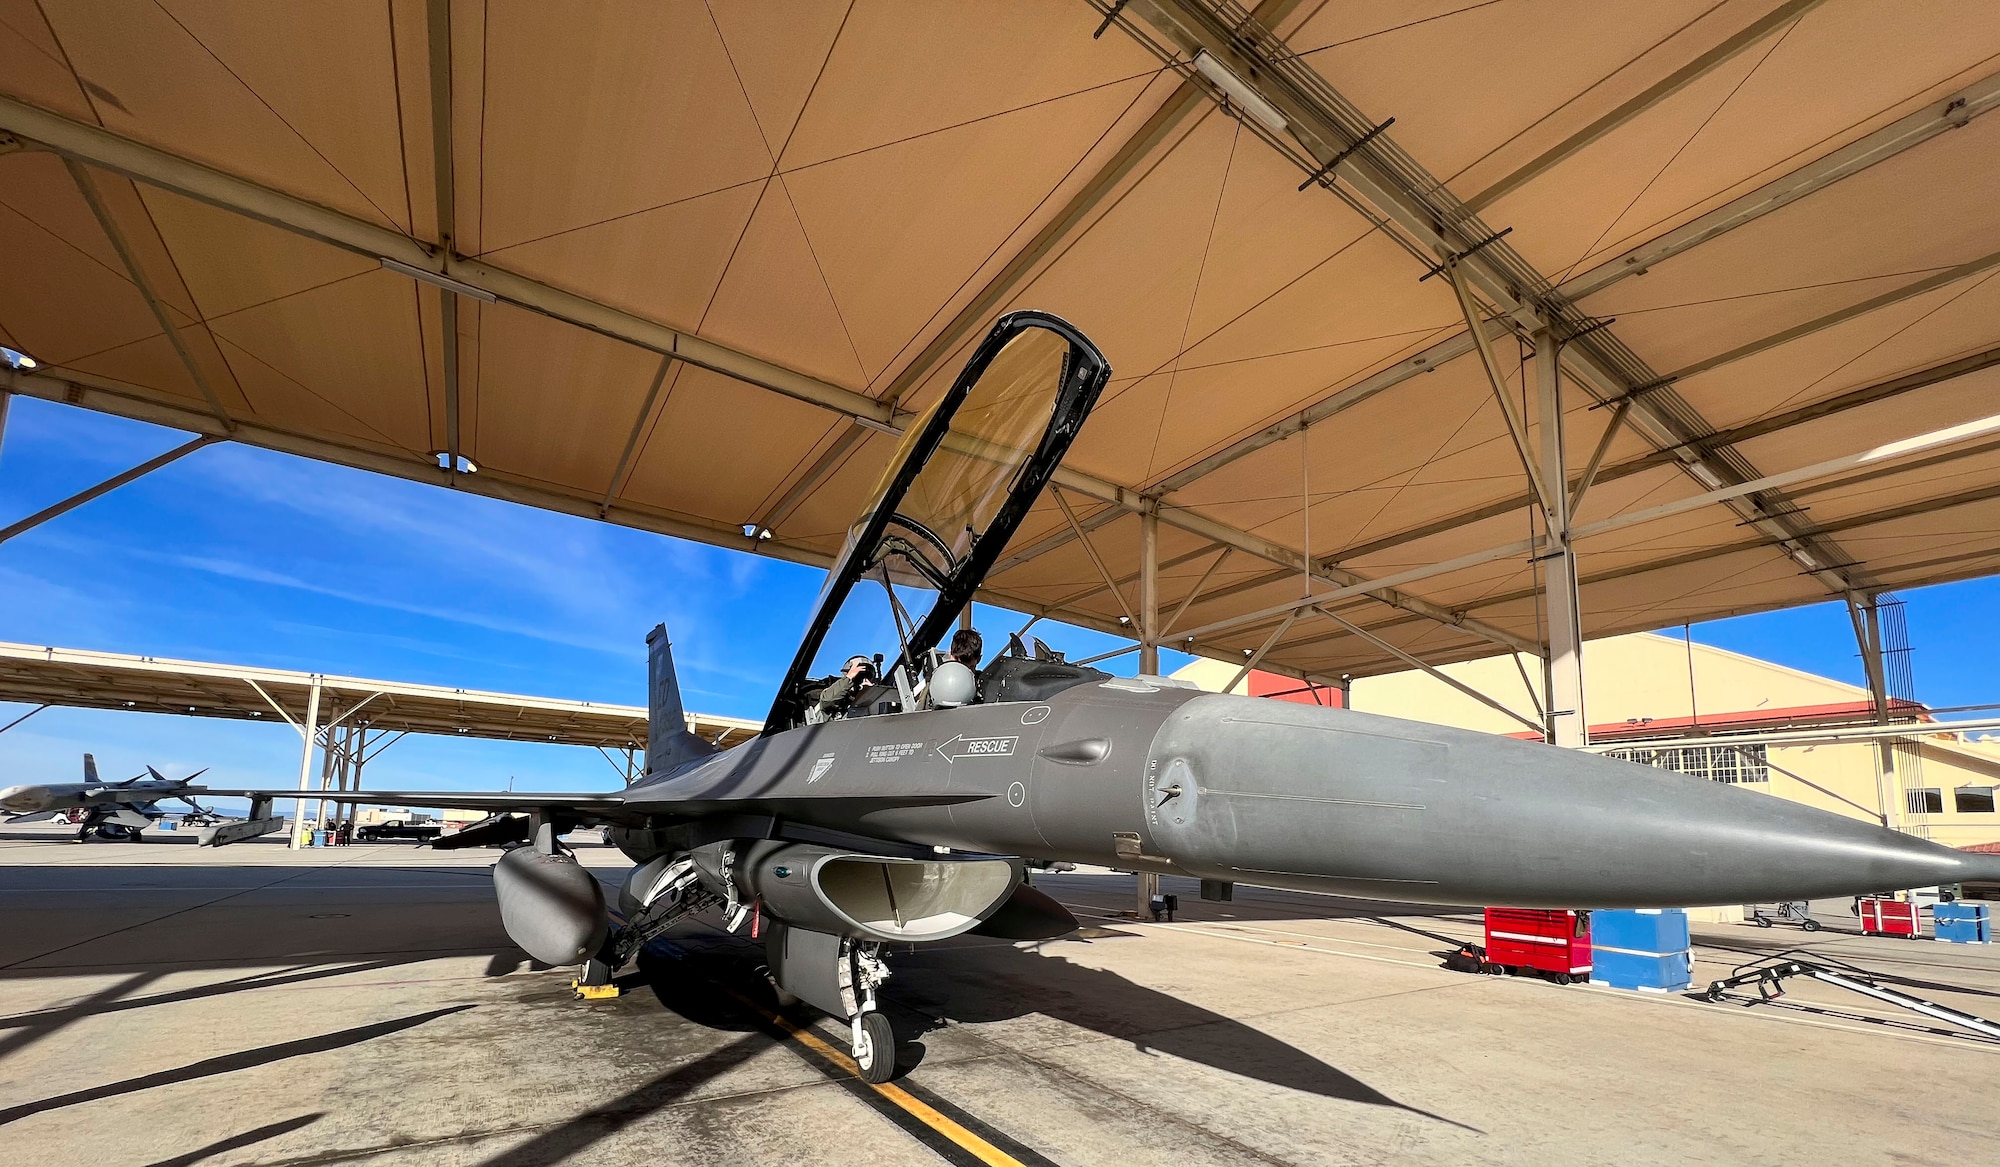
(1144, 775)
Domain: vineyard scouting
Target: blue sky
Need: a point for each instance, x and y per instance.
(245, 556)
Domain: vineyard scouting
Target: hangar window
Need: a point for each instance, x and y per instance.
(1928, 800)
(1732, 764)
(1974, 799)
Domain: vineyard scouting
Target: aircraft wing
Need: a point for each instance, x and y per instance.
(488, 800)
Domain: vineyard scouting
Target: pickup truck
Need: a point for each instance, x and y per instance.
(397, 829)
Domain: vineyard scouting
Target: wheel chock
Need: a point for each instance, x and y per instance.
(594, 992)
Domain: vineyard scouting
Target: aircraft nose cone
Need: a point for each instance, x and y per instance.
(24, 799)
(1272, 792)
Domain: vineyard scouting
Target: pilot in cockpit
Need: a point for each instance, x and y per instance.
(967, 646)
(956, 680)
(837, 698)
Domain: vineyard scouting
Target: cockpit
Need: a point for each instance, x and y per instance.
(1017, 674)
(963, 477)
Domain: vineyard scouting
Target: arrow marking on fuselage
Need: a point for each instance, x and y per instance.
(976, 747)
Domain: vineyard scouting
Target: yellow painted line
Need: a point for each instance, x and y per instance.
(979, 1148)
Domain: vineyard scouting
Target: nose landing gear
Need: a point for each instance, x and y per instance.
(874, 1047)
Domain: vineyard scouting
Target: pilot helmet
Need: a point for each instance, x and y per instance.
(953, 685)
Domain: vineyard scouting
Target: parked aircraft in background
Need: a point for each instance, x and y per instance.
(899, 805)
(114, 811)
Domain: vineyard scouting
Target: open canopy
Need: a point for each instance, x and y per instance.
(964, 476)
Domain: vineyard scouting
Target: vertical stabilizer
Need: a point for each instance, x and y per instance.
(669, 744)
(90, 769)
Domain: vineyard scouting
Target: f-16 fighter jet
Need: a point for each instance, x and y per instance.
(114, 811)
(898, 803)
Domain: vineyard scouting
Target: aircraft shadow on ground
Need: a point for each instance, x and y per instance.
(160, 943)
(989, 981)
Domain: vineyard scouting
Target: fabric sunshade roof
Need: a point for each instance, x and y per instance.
(700, 262)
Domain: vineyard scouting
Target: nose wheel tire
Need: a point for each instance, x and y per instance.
(874, 1047)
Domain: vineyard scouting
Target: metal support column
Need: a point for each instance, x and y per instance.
(329, 759)
(6, 396)
(1868, 636)
(1149, 594)
(310, 732)
(1149, 886)
(1567, 724)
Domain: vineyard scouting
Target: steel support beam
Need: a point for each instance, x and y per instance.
(1867, 617)
(1888, 451)
(1186, 100)
(1497, 378)
(1948, 114)
(1195, 592)
(1270, 642)
(1096, 561)
(1416, 663)
(1651, 96)
(1930, 283)
(1429, 360)
(155, 167)
(1149, 594)
(1383, 589)
(617, 482)
(1951, 113)
(309, 733)
(1417, 210)
(1522, 547)
(1839, 403)
(103, 488)
(1566, 722)
(138, 276)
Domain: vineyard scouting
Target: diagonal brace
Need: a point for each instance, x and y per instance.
(1088, 549)
(1515, 425)
(1413, 662)
(105, 487)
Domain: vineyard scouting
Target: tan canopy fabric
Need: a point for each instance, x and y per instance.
(687, 267)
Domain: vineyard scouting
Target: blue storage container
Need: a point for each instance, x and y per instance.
(1663, 972)
(1643, 949)
(1655, 930)
(1963, 923)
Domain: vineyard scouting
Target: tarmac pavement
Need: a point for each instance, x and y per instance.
(167, 1005)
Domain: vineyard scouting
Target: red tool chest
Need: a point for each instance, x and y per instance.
(1884, 917)
(1531, 939)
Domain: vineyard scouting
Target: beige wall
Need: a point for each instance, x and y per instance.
(1631, 679)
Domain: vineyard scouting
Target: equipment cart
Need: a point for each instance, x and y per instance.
(1790, 912)
(1552, 944)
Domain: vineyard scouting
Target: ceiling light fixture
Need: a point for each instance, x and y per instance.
(1240, 94)
(19, 360)
(424, 276)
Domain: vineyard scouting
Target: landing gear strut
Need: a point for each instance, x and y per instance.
(677, 893)
(874, 1037)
